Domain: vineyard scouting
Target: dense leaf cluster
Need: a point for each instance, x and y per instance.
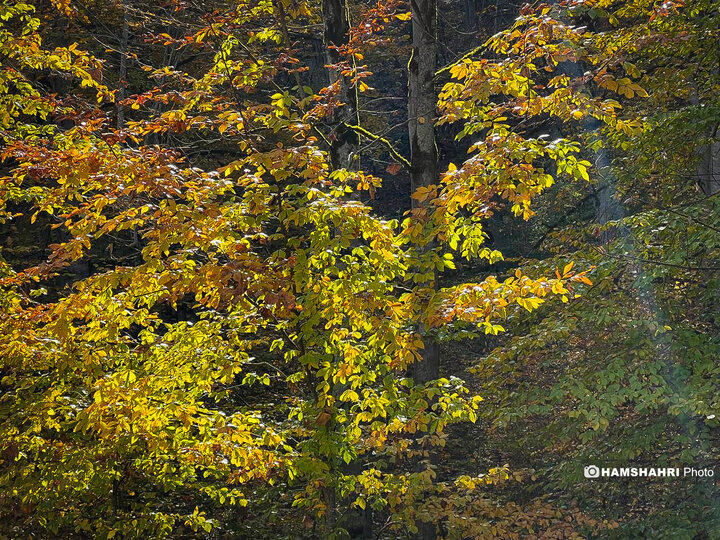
(211, 321)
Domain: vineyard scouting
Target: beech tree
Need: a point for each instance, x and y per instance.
(211, 329)
(623, 376)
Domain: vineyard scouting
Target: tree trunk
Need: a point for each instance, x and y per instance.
(421, 114)
(344, 141)
(471, 15)
(423, 155)
(122, 75)
(608, 208)
(708, 167)
(422, 98)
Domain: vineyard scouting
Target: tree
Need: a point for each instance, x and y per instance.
(336, 23)
(622, 377)
(250, 348)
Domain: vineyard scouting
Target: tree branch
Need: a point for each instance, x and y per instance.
(394, 153)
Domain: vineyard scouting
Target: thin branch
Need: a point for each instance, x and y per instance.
(463, 57)
(377, 138)
(659, 263)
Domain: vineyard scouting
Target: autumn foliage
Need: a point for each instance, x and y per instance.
(220, 336)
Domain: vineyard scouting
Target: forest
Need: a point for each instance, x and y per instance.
(359, 269)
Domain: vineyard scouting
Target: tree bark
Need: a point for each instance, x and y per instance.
(708, 167)
(122, 75)
(422, 101)
(471, 15)
(421, 96)
(421, 113)
(344, 141)
(708, 170)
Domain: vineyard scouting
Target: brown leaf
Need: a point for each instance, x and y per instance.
(394, 168)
